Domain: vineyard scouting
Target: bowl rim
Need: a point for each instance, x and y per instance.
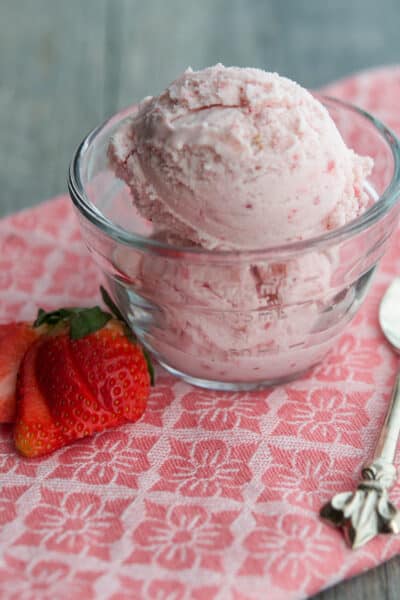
(387, 200)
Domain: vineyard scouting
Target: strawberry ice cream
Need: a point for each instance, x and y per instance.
(231, 321)
(238, 160)
(231, 158)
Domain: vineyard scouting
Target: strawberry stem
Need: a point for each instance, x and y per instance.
(150, 367)
(111, 305)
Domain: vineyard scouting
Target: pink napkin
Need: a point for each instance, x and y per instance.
(210, 495)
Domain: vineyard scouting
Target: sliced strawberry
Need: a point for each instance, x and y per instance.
(72, 388)
(125, 390)
(15, 339)
(35, 432)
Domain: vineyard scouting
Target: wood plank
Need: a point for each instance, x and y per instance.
(51, 91)
(313, 42)
(372, 585)
(71, 63)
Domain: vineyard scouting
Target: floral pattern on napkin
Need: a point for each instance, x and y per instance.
(211, 495)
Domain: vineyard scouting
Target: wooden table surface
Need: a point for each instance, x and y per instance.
(65, 65)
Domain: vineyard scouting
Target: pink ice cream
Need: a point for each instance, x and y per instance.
(233, 158)
(233, 322)
(238, 159)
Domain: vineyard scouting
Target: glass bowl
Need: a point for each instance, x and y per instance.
(236, 320)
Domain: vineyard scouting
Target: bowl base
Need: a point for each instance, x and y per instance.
(233, 386)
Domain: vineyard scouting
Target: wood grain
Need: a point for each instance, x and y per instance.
(51, 92)
(65, 66)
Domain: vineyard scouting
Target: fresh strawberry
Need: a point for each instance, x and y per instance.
(83, 377)
(15, 339)
(35, 432)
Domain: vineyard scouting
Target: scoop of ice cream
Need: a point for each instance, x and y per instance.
(237, 159)
(234, 158)
(235, 321)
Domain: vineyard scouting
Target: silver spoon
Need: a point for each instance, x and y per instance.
(367, 512)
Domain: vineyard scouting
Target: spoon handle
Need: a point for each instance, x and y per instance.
(368, 511)
(387, 443)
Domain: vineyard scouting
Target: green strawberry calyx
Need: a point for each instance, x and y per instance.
(82, 321)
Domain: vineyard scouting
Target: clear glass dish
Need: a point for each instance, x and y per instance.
(236, 320)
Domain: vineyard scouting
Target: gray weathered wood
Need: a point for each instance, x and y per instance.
(51, 92)
(66, 65)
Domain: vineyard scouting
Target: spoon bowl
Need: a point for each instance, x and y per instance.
(389, 314)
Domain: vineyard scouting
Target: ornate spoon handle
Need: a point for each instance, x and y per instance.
(368, 511)
(387, 443)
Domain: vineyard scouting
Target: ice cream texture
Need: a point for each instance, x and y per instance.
(240, 160)
(234, 158)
